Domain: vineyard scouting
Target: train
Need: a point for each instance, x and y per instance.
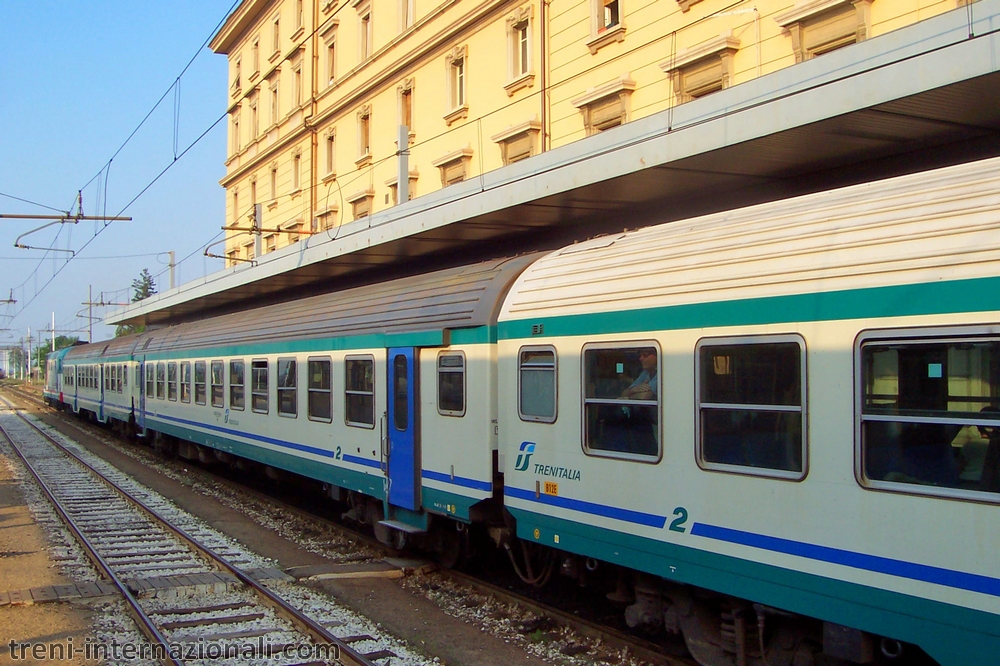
(778, 425)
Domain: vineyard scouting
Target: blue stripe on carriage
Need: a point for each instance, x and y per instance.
(267, 440)
(457, 481)
(921, 572)
(627, 515)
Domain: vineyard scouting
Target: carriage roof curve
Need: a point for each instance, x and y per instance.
(463, 297)
(96, 351)
(933, 227)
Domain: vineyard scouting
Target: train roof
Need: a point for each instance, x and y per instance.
(122, 346)
(462, 297)
(942, 224)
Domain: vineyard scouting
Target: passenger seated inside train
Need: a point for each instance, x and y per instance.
(622, 400)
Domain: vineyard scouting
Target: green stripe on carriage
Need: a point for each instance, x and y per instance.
(328, 472)
(359, 343)
(447, 504)
(974, 295)
(953, 635)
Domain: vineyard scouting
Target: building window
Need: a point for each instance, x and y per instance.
(236, 207)
(361, 203)
(818, 28)
(237, 397)
(405, 14)
(519, 51)
(253, 193)
(330, 38)
(365, 133)
(929, 419)
(296, 172)
(364, 31)
(287, 387)
(359, 391)
(218, 384)
(606, 24)
(519, 142)
(274, 181)
(274, 100)
(451, 384)
(454, 166)
(276, 36)
(236, 130)
(393, 185)
(405, 91)
(297, 83)
(320, 390)
(457, 68)
(621, 400)
(254, 120)
(299, 15)
(270, 244)
(199, 383)
(606, 106)
(536, 384)
(255, 57)
(750, 400)
(702, 69)
(237, 77)
(258, 386)
(186, 381)
(161, 380)
(331, 152)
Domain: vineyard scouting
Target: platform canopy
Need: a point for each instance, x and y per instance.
(923, 96)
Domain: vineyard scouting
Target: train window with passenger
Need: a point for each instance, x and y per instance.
(172, 382)
(536, 384)
(161, 380)
(750, 397)
(124, 370)
(359, 391)
(288, 396)
(200, 395)
(320, 390)
(150, 372)
(236, 395)
(258, 386)
(186, 381)
(451, 383)
(929, 412)
(621, 403)
(218, 384)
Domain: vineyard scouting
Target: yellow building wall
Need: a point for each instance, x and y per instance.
(580, 61)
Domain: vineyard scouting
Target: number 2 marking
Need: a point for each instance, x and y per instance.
(678, 524)
(337, 456)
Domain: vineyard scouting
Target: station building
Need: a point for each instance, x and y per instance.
(318, 88)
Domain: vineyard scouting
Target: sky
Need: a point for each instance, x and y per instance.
(76, 80)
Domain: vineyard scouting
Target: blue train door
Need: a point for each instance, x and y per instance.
(140, 415)
(403, 456)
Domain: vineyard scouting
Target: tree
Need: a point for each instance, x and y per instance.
(143, 287)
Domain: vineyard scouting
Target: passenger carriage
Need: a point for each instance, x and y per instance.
(53, 391)
(822, 438)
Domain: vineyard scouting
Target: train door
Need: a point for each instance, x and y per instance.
(140, 416)
(403, 456)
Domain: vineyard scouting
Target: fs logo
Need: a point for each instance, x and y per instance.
(527, 448)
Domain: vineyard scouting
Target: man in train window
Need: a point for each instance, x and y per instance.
(645, 385)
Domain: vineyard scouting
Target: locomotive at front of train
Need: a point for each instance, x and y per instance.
(385, 393)
(778, 424)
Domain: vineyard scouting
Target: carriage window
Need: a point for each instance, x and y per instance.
(161, 380)
(750, 405)
(451, 384)
(186, 381)
(536, 385)
(172, 381)
(621, 389)
(930, 415)
(218, 384)
(199, 382)
(359, 392)
(320, 393)
(400, 393)
(258, 386)
(124, 375)
(150, 371)
(236, 395)
(287, 392)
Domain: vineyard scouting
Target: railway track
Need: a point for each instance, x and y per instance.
(191, 598)
(645, 650)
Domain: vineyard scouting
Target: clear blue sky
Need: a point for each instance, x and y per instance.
(75, 80)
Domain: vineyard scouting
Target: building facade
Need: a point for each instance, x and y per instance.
(319, 88)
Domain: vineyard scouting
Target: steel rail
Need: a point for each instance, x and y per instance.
(303, 623)
(144, 622)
